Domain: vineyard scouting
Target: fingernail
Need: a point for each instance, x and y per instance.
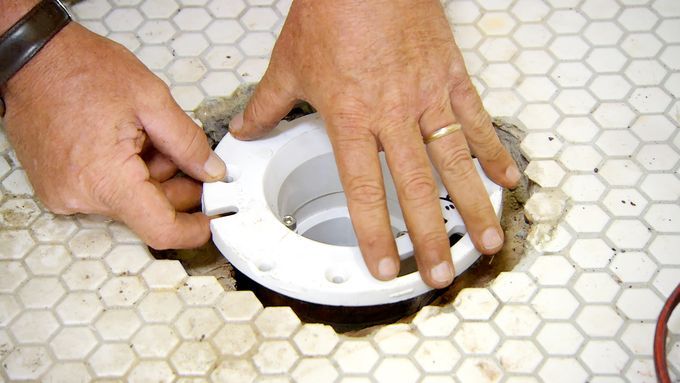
(512, 174)
(387, 268)
(442, 273)
(491, 239)
(215, 167)
(236, 122)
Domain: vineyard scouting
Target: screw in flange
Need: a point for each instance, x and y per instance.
(289, 221)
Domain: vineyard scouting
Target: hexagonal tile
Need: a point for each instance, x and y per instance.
(636, 337)
(186, 70)
(13, 275)
(649, 100)
(232, 9)
(602, 33)
(314, 370)
(117, 325)
(197, 323)
(530, 10)
(466, 36)
(604, 357)
(499, 75)
(34, 326)
(628, 234)
(670, 56)
(580, 157)
(625, 202)
(475, 304)
(552, 270)
(95, 9)
(637, 19)
(664, 217)
(536, 89)
(220, 83)
(519, 356)
(147, 371)
(577, 129)
(610, 87)
(513, 287)
(633, 267)
(155, 32)
(73, 343)
(657, 157)
(17, 183)
(583, 188)
(160, 306)
(316, 339)
(476, 338)
(224, 31)
(154, 341)
(554, 303)
(112, 360)
(355, 356)
(574, 101)
(159, 9)
(191, 19)
(641, 370)
(462, 12)
(562, 370)
(517, 320)
(497, 49)
(200, 290)
(600, 9)
(540, 145)
(122, 291)
(569, 47)
(479, 370)
(559, 338)
(617, 143)
(596, 287)
(645, 72)
(496, 23)
(641, 45)
(123, 19)
(18, 213)
(275, 357)
(599, 321)
(236, 339)
(68, 372)
(164, 273)
(545, 173)
(90, 243)
(193, 358)
(395, 339)
(539, 117)
(662, 249)
(27, 363)
(41, 292)
(85, 275)
(591, 253)
(653, 128)
(128, 259)
(666, 280)
(639, 304)
(189, 44)
(433, 321)
(48, 260)
(532, 35)
(586, 218)
(614, 115)
(534, 62)
(49, 227)
(239, 305)
(259, 19)
(396, 370)
(620, 172)
(223, 57)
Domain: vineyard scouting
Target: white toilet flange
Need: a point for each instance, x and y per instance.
(292, 172)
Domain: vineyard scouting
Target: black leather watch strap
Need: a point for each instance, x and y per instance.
(25, 38)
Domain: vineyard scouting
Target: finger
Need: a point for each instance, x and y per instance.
(481, 135)
(417, 192)
(269, 104)
(174, 134)
(183, 193)
(147, 211)
(161, 168)
(451, 157)
(356, 154)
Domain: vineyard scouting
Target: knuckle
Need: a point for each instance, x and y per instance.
(457, 163)
(419, 186)
(432, 241)
(365, 191)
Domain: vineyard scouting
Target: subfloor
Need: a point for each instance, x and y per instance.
(595, 82)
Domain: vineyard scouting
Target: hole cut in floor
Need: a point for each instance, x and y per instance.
(215, 115)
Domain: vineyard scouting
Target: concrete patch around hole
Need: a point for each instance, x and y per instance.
(215, 115)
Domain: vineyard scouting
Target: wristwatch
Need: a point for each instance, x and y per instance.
(24, 39)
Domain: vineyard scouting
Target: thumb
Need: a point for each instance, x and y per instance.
(271, 102)
(174, 134)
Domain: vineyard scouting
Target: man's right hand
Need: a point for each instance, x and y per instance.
(97, 132)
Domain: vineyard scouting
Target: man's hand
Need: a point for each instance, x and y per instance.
(98, 133)
(385, 74)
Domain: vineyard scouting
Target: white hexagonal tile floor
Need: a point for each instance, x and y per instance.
(595, 82)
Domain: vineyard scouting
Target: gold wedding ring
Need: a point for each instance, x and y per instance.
(442, 132)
